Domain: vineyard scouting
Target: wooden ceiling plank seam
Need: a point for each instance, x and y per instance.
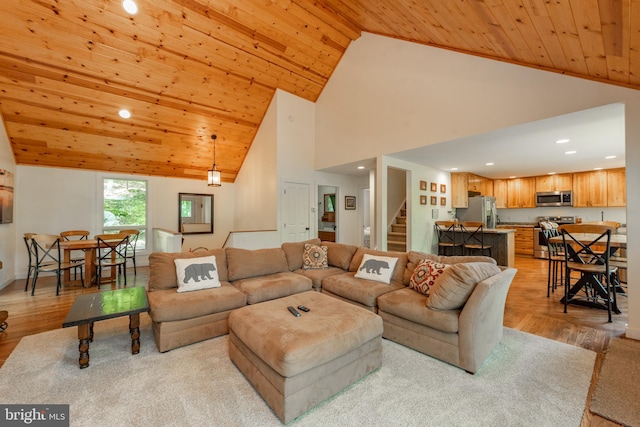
(542, 22)
(513, 26)
(634, 43)
(529, 35)
(615, 24)
(587, 20)
(564, 24)
(340, 22)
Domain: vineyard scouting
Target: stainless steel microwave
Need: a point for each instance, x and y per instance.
(554, 198)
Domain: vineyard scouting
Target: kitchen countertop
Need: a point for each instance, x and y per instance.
(518, 224)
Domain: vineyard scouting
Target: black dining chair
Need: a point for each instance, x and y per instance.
(555, 260)
(75, 235)
(595, 285)
(46, 248)
(473, 238)
(112, 252)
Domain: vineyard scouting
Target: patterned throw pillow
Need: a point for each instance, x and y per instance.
(314, 257)
(376, 268)
(197, 273)
(425, 275)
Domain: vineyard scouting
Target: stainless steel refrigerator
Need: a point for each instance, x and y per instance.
(481, 208)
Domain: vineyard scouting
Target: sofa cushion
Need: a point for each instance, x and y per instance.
(425, 275)
(314, 257)
(272, 286)
(411, 305)
(377, 268)
(455, 285)
(162, 269)
(318, 275)
(415, 258)
(244, 263)
(293, 252)
(363, 291)
(194, 274)
(167, 305)
(339, 254)
(398, 270)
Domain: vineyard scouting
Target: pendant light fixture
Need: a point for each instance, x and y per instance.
(213, 175)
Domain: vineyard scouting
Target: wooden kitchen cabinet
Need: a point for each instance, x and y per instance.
(559, 182)
(459, 190)
(616, 187)
(524, 241)
(521, 193)
(500, 192)
(590, 189)
(463, 182)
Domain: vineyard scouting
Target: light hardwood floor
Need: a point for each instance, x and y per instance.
(528, 309)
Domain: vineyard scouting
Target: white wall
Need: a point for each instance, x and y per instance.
(387, 95)
(7, 231)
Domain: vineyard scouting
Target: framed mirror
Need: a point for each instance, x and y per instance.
(329, 203)
(195, 213)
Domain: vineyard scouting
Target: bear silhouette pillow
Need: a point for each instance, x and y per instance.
(377, 268)
(197, 273)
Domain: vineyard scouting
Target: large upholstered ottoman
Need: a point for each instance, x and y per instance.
(297, 362)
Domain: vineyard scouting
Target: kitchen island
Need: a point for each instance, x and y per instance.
(502, 242)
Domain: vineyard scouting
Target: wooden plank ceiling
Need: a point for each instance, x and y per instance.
(187, 69)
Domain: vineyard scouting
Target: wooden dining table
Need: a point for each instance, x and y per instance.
(618, 241)
(89, 246)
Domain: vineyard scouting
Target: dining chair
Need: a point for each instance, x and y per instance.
(447, 237)
(46, 248)
(555, 260)
(591, 260)
(131, 250)
(75, 235)
(473, 238)
(111, 252)
(31, 267)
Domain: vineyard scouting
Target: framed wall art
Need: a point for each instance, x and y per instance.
(434, 187)
(423, 200)
(443, 201)
(434, 200)
(423, 185)
(443, 188)
(350, 203)
(6, 197)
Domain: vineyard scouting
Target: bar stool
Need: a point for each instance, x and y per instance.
(473, 235)
(447, 237)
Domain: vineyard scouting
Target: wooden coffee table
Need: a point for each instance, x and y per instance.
(90, 308)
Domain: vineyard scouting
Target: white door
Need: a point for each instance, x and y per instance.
(295, 212)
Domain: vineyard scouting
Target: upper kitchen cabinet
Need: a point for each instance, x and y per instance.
(500, 192)
(590, 189)
(463, 182)
(460, 190)
(559, 182)
(521, 193)
(616, 187)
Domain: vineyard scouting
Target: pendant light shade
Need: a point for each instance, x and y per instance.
(214, 179)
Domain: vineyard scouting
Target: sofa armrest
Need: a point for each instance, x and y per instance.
(481, 319)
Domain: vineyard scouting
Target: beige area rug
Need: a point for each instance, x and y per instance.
(617, 395)
(524, 382)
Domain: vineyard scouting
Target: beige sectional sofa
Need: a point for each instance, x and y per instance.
(463, 336)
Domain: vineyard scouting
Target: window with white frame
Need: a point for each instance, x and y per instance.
(125, 207)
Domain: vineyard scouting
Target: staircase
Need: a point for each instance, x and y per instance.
(397, 237)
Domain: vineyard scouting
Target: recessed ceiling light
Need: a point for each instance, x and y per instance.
(610, 157)
(360, 167)
(130, 6)
(570, 152)
(597, 169)
(489, 164)
(125, 114)
(454, 169)
(511, 177)
(552, 173)
(562, 141)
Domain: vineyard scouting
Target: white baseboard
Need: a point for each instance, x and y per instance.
(632, 333)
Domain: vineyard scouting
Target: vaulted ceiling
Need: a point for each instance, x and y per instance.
(188, 69)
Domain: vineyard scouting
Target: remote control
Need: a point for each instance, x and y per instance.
(293, 311)
(303, 308)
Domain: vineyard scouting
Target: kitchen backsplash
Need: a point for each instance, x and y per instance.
(587, 214)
